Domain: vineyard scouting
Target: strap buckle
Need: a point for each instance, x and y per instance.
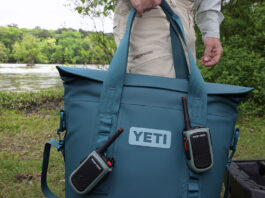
(233, 147)
(62, 126)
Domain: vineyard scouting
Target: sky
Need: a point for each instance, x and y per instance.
(47, 14)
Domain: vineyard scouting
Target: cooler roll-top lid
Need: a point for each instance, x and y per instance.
(136, 80)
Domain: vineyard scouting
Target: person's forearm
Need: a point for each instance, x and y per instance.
(209, 18)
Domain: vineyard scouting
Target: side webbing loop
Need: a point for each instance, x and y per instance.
(229, 161)
(193, 185)
(62, 127)
(59, 145)
(104, 130)
(233, 146)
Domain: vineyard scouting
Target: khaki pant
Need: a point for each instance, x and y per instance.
(150, 45)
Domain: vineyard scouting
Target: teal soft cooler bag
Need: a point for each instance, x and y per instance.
(150, 160)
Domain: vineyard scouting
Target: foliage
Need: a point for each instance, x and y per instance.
(243, 60)
(29, 50)
(8, 36)
(94, 8)
(48, 47)
(64, 46)
(31, 100)
(3, 52)
(106, 46)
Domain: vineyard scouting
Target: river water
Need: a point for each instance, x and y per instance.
(19, 77)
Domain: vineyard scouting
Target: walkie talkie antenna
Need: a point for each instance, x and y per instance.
(186, 114)
(105, 146)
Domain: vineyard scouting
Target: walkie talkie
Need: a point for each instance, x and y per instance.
(197, 144)
(93, 168)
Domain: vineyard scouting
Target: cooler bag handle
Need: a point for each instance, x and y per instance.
(110, 98)
(59, 145)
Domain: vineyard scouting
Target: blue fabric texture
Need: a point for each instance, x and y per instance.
(98, 102)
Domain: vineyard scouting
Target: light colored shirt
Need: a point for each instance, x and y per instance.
(208, 17)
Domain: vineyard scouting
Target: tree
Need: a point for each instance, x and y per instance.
(105, 44)
(94, 8)
(48, 48)
(8, 36)
(68, 46)
(41, 33)
(3, 53)
(29, 50)
(85, 51)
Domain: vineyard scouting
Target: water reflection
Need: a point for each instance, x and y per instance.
(19, 77)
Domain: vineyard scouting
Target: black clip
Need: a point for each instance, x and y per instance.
(62, 125)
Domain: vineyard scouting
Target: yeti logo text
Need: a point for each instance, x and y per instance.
(150, 137)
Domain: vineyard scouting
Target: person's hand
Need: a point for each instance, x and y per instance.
(143, 5)
(212, 53)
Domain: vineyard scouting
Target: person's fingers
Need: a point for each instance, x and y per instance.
(207, 53)
(137, 4)
(217, 55)
(157, 2)
(209, 63)
(217, 52)
(213, 60)
(140, 10)
(213, 52)
(207, 57)
(143, 5)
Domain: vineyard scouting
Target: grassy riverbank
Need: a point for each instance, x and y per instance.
(31, 101)
(28, 121)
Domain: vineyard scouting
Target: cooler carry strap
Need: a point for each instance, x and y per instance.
(111, 93)
(59, 145)
(46, 155)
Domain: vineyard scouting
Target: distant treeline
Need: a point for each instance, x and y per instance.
(65, 46)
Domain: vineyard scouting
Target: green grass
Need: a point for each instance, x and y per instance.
(251, 143)
(22, 137)
(47, 98)
(24, 133)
